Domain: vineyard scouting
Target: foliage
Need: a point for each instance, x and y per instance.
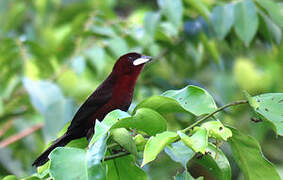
(54, 53)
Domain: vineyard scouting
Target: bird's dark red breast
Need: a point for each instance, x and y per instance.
(116, 92)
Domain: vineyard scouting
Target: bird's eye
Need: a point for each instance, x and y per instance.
(131, 58)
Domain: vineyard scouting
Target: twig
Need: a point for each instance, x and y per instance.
(20, 135)
(10, 115)
(214, 112)
(116, 156)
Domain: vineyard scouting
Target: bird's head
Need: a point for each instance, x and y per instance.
(131, 63)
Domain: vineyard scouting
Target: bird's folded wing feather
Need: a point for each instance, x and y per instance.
(96, 100)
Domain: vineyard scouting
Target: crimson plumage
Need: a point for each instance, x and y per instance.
(116, 92)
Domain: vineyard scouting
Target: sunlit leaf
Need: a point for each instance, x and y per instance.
(192, 99)
(141, 120)
(198, 141)
(156, 144)
(217, 130)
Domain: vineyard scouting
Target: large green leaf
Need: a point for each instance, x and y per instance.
(216, 162)
(74, 163)
(141, 120)
(173, 10)
(156, 144)
(246, 20)
(198, 141)
(222, 19)
(192, 99)
(179, 152)
(68, 163)
(270, 106)
(274, 11)
(248, 155)
(48, 99)
(124, 168)
(101, 128)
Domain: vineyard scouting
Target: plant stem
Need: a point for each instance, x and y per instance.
(114, 156)
(214, 112)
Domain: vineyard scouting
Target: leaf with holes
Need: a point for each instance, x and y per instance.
(269, 106)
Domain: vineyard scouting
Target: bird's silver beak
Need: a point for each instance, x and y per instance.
(142, 60)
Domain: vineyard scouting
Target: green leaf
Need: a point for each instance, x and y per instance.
(156, 144)
(173, 10)
(141, 120)
(274, 30)
(124, 138)
(179, 152)
(101, 128)
(161, 104)
(124, 168)
(151, 21)
(200, 7)
(193, 99)
(198, 141)
(96, 56)
(270, 107)
(48, 99)
(222, 19)
(94, 155)
(10, 177)
(68, 163)
(74, 163)
(185, 176)
(216, 162)
(274, 11)
(217, 130)
(248, 155)
(246, 20)
(190, 99)
(118, 46)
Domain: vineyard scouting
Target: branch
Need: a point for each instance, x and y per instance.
(121, 154)
(20, 135)
(214, 112)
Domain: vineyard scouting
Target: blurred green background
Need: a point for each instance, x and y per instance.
(54, 53)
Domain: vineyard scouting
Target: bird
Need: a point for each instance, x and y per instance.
(115, 92)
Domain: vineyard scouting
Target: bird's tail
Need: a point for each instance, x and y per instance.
(43, 158)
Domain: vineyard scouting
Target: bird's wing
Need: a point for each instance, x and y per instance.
(96, 100)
